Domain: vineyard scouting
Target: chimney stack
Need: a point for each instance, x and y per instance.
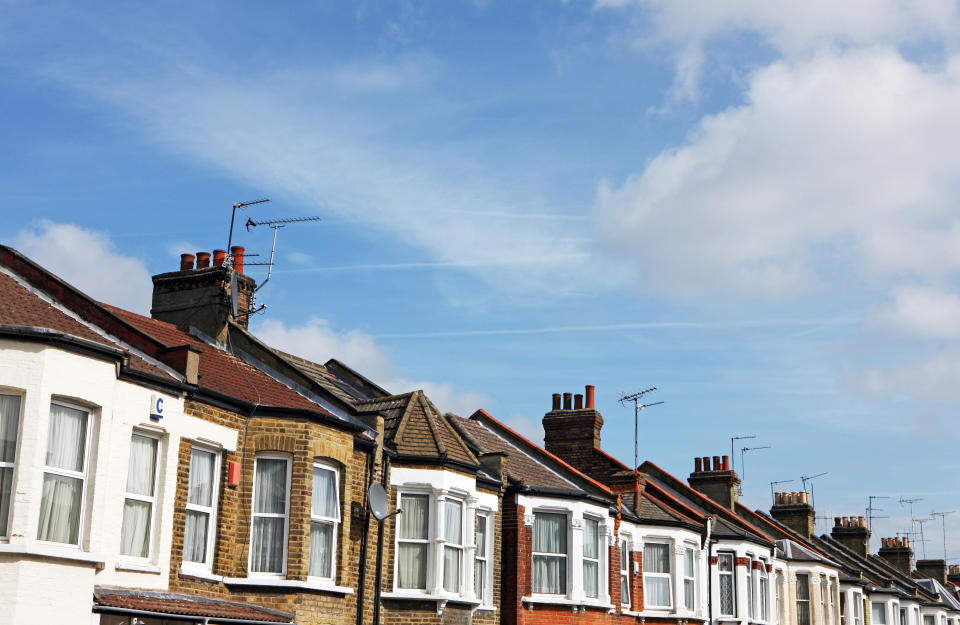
(853, 534)
(571, 430)
(953, 575)
(716, 481)
(932, 569)
(897, 552)
(793, 509)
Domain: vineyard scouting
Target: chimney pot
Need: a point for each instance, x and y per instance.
(906, 541)
(806, 497)
(706, 463)
(578, 402)
(861, 521)
(591, 397)
(717, 466)
(697, 465)
(556, 401)
(203, 260)
(186, 262)
(567, 401)
(836, 521)
(237, 253)
(218, 257)
(726, 463)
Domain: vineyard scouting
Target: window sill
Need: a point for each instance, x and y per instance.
(550, 600)
(295, 584)
(198, 573)
(72, 554)
(137, 567)
(686, 617)
(422, 596)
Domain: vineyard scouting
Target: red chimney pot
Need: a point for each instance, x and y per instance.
(578, 402)
(591, 398)
(203, 260)
(717, 466)
(218, 257)
(697, 465)
(567, 401)
(237, 253)
(726, 463)
(706, 463)
(186, 261)
(556, 401)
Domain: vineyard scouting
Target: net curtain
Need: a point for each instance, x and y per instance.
(550, 536)
(61, 496)
(141, 469)
(9, 423)
(656, 559)
(268, 532)
(412, 557)
(324, 504)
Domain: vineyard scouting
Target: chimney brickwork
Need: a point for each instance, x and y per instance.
(715, 480)
(932, 569)
(897, 553)
(852, 533)
(794, 510)
(953, 574)
(572, 431)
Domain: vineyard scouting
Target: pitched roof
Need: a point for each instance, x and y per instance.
(327, 379)
(186, 605)
(414, 427)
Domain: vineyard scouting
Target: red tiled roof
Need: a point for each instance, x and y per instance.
(20, 307)
(221, 371)
(187, 605)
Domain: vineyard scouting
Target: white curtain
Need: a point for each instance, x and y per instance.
(453, 522)
(66, 440)
(135, 532)
(271, 486)
(200, 486)
(590, 550)
(413, 524)
(195, 536)
(60, 509)
(656, 559)
(479, 578)
(325, 493)
(268, 533)
(267, 549)
(550, 536)
(451, 569)
(481, 538)
(878, 613)
(479, 567)
(321, 549)
(142, 466)
(6, 481)
(9, 422)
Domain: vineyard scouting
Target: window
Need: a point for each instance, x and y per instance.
(803, 599)
(689, 579)
(324, 520)
(779, 589)
(591, 557)
(903, 616)
(271, 509)
(625, 571)
(656, 575)
(200, 524)
(412, 541)
(728, 600)
(823, 600)
(64, 475)
(9, 426)
(843, 608)
(480, 559)
(764, 592)
(751, 588)
(453, 548)
(858, 609)
(140, 498)
(928, 619)
(550, 553)
(878, 613)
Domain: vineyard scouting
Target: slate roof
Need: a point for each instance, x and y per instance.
(414, 427)
(186, 605)
(322, 375)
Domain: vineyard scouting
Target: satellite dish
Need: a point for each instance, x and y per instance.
(377, 501)
(233, 293)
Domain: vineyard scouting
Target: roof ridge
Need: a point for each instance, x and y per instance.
(644, 495)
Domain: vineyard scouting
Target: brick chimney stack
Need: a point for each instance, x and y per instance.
(897, 552)
(199, 295)
(572, 430)
(852, 533)
(794, 510)
(715, 480)
(932, 569)
(953, 574)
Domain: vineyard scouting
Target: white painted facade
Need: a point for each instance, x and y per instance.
(42, 581)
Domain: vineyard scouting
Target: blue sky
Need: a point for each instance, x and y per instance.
(750, 205)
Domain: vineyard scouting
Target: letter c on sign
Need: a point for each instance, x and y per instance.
(160, 405)
(156, 407)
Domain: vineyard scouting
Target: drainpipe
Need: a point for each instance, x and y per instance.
(361, 589)
(376, 595)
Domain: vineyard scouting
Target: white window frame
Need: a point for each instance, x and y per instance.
(808, 600)
(668, 575)
(485, 597)
(152, 500)
(764, 592)
(211, 511)
(584, 558)
(459, 547)
(334, 521)
(271, 515)
(12, 464)
(882, 605)
(81, 475)
(857, 608)
(691, 579)
(751, 581)
(431, 524)
(567, 576)
(732, 573)
(625, 544)
(778, 581)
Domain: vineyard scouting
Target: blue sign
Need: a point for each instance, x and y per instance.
(156, 407)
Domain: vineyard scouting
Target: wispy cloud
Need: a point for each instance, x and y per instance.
(465, 264)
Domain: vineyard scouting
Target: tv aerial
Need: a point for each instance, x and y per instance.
(810, 478)
(276, 224)
(743, 463)
(378, 504)
(637, 407)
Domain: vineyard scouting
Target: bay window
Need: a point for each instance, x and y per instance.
(324, 520)
(728, 596)
(689, 579)
(803, 599)
(591, 557)
(64, 475)
(140, 498)
(200, 523)
(878, 613)
(480, 559)
(453, 547)
(9, 428)
(550, 553)
(271, 514)
(625, 571)
(656, 575)
(413, 541)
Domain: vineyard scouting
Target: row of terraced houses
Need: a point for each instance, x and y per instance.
(175, 469)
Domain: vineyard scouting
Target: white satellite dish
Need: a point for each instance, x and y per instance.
(233, 293)
(377, 501)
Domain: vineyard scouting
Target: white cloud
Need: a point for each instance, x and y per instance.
(935, 376)
(316, 340)
(836, 167)
(924, 312)
(88, 260)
